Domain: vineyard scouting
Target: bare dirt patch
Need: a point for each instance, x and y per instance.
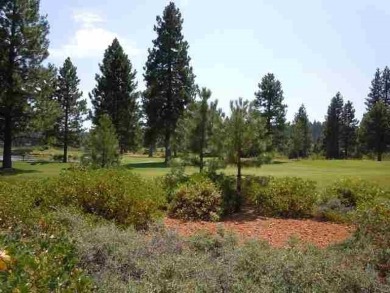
(277, 232)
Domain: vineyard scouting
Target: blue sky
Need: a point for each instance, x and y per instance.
(315, 48)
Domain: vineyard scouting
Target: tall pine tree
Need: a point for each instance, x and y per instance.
(168, 75)
(73, 108)
(269, 101)
(332, 128)
(348, 131)
(23, 48)
(115, 95)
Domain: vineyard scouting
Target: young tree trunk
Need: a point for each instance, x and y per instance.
(7, 150)
(201, 163)
(239, 194)
(65, 158)
(151, 150)
(168, 153)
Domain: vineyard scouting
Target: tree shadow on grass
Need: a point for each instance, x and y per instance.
(43, 163)
(14, 172)
(146, 165)
(278, 162)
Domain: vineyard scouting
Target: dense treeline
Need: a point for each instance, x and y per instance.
(173, 112)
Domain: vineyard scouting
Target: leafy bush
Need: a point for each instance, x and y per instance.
(340, 200)
(197, 199)
(115, 195)
(285, 197)
(18, 203)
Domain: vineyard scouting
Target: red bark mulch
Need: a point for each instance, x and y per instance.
(276, 231)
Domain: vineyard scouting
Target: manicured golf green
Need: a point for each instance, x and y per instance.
(324, 172)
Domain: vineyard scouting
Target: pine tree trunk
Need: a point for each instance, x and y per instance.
(7, 150)
(168, 154)
(379, 156)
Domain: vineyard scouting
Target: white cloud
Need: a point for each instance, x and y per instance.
(91, 39)
(87, 18)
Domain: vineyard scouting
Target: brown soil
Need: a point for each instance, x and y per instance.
(247, 226)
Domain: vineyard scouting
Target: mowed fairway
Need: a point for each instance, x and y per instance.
(322, 171)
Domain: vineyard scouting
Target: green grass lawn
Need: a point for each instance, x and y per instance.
(322, 171)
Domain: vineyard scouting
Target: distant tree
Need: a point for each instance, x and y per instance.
(103, 144)
(115, 94)
(300, 136)
(269, 101)
(23, 48)
(317, 129)
(375, 129)
(200, 128)
(168, 76)
(244, 131)
(151, 127)
(349, 126)
(376, 90)
(216, 130)
(69, 125)
(332, 127)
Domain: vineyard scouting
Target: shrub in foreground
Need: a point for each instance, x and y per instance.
(18, 204)
(116, 195)
(197, 199)
(340, 200)
(285, 197)
(41, 263)
(122, 260)
(373, 233)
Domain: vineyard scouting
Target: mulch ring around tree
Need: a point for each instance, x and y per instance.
(277, 232)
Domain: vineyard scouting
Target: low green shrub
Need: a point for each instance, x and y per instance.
(285, 197)
(340, 200)
(173, 179)
(231, 202)
(116, 195)
(197, 199)
(18, 204)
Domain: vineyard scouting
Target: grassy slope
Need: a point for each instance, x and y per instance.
(324, 172)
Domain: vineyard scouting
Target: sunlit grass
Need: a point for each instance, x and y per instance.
(324, 172)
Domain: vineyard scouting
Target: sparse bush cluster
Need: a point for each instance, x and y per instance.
(124, 260)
